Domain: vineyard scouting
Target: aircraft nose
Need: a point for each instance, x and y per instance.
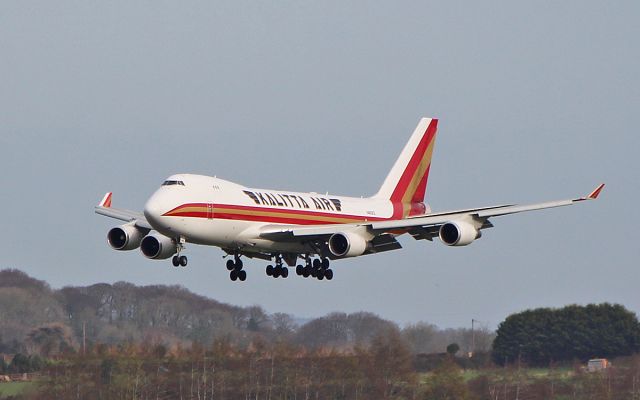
(153, 210)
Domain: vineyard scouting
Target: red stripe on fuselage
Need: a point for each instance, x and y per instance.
(250, 213)
(278, 219)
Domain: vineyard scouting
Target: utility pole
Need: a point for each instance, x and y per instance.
(473, 338)
(84, 339)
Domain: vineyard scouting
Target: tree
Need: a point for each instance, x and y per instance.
(283, 325)
(36, 363)
(257, 319)
(543, 335)
(342, 330)
(50, 339)
(20, 364)
(452, 349)
(446, 383)
(391, 362)
(420, 337)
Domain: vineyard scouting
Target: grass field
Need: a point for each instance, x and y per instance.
(14, 388)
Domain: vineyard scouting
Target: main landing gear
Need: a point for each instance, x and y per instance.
(179, 261)
(235, 266)
(318, 268)
(279, 270)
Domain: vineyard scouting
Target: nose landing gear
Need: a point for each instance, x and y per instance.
(179, 261)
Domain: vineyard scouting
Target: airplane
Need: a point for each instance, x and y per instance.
(286, 227)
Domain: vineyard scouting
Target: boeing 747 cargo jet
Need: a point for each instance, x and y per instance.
(284, 227)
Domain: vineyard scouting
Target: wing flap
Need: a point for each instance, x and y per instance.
(424, 233)
(384, 242)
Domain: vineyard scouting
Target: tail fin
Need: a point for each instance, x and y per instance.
(407, 180)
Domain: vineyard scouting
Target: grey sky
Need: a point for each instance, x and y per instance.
(537, 101)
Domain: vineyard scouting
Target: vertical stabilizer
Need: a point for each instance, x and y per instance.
(407, 180)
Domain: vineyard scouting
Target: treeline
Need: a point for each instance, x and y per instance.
(123, 341)
(223, 370)
(39, 320)
(383, 370)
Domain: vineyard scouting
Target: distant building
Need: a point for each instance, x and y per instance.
(598, 364)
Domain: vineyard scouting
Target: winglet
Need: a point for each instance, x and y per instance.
(106, 200)
(596, 192)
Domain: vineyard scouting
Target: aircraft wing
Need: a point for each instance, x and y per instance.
(420, 227)
(104, 208)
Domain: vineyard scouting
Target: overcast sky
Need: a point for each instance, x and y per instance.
(537, 101)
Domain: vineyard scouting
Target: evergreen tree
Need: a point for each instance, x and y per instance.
(543, 335)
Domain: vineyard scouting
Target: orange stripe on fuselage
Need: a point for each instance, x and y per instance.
(265, 214)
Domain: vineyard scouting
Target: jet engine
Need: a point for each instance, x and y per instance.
(125, 237)
(157, 246)
(347, 244)
(458, 233)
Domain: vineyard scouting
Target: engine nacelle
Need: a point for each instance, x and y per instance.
(157, 246)
(458, 233)
(125, 237)
(347, 244)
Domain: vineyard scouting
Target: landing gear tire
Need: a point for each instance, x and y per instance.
(328, 274)
(230, 265)
(233, 275)
(299, 270)
(175, 261)
(278, 270)
(238, 264)
(306, 271)
(242, 275)
(183, 261)
(320, 275)
(316, 263)
(325, 263)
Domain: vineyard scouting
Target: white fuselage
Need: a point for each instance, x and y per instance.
(211, 211)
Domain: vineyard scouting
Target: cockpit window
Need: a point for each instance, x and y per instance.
(170, 183)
